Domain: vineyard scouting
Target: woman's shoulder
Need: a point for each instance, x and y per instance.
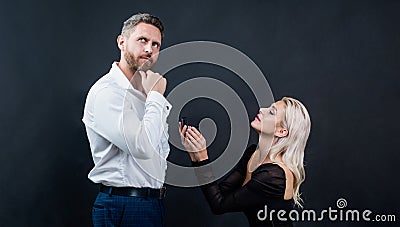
(269, 179)
(277, 174)
(288, 173)
(289, 179)
(278, 168)
(270, 173)
(271, 168)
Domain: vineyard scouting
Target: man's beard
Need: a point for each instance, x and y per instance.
(133, 63)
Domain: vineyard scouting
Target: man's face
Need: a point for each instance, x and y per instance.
(142, 46)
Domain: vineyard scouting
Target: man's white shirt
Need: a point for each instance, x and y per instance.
(127, 132)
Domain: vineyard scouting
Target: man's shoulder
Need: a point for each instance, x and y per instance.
(105, 82)
(102, 81)
(104, 91)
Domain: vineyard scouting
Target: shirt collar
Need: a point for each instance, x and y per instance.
(120, 77)
(123, 82)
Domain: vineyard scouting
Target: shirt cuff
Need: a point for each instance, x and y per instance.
(154, 96)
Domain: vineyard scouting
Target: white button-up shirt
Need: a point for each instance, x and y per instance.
(127, 132)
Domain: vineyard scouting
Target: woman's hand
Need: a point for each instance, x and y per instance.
(193, 142)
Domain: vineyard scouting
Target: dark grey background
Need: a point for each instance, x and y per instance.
(341, 58)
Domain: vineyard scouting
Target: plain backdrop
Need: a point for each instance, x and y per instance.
(340, 58)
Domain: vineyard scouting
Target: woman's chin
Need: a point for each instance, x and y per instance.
(255, 126)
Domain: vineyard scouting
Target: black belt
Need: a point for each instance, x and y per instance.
(136, 192)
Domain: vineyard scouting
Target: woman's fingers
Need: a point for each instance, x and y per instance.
(191, 142)
(192, 139)
(196, 131)
(193, 133)
(198, 136)
(180, 128)
(190, 136)
(189, 139)
(183, 130)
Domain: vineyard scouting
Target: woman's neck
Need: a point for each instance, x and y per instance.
(265, 142)
(277, 159)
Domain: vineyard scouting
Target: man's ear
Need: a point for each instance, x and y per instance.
(281, 132)
(121, 42)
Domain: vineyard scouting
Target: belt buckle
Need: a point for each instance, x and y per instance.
(163, 191)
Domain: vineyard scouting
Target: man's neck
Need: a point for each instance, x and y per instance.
(133, 77)
(125, 70)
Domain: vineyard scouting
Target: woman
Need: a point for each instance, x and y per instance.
(269, 175)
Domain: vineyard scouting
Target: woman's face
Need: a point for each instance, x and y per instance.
(267, 121)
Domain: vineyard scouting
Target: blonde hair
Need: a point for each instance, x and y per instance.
(297, 121)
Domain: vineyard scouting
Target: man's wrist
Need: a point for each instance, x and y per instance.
(157, 97)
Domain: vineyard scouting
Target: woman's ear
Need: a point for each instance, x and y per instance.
(281, 132)
(121, 42)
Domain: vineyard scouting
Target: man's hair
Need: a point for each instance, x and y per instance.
(129, 25)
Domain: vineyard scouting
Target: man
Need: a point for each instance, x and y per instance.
(125, 119)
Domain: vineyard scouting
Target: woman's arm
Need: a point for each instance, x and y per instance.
(229, 195)
(195, 144)
(263, 186)
(236, 177)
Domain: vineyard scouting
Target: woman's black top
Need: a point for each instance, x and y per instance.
(263, 193)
